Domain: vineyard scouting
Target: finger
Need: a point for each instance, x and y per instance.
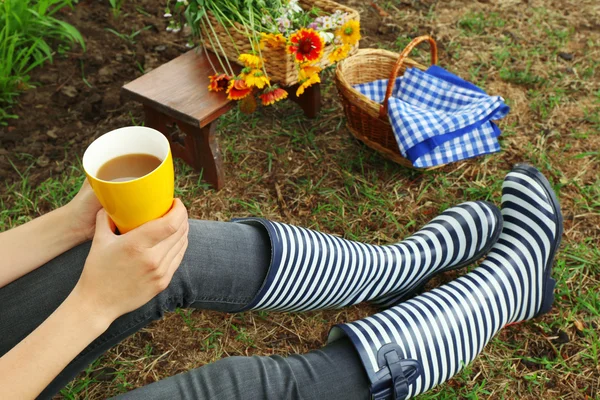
(176, 260)
(104, 225)
(168, 247)
(154, 232)
(172, 262)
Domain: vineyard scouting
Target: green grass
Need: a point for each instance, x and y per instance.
(28, 32)
(131, 37)
(23, 200)
(313, 174)
(116, 6)
(476, 23)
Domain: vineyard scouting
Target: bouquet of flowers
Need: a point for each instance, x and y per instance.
(268, 26)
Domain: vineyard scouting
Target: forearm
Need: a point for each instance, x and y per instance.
(31, 245)
(31, 365)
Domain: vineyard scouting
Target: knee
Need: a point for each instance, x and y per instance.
(259, 377)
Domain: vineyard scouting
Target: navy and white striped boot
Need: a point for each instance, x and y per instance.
(412, 347)
(311, 270)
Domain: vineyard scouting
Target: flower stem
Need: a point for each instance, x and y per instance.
(219, 43)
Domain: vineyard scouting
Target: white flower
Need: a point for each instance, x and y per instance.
(175, 30)
(189, 45)
(327, 23)
(327, 37)
(168, 15)
(185, 2)
(294, 6)
(284, 22)
(345, 18)
(169, 29)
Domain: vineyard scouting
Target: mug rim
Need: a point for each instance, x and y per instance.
(93, 176)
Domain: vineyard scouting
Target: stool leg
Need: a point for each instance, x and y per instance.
(309, 101)
(200, 151)
(204, 153)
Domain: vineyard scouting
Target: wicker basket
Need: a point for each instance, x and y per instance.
(367, 120)
(280, 65)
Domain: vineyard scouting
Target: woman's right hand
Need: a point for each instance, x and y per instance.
(124, 272)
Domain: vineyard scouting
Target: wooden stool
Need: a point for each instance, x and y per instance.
(175, 95)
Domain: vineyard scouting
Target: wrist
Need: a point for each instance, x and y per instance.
(95, 314)
(77, 232)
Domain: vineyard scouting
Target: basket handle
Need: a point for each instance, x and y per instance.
(434, 57)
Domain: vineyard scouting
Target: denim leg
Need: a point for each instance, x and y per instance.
(334, 372)
(223, 268)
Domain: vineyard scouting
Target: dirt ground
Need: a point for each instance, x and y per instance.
(542, 56)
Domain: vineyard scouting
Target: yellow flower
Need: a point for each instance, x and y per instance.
(307, 71)
(314, 78)
(339, 53)
(271, 41)
(256, 78)
(250, 60)
(349, 33)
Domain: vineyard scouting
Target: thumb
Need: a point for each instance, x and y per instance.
(104, 225)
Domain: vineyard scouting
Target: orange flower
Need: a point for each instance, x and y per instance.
(273, 95)
(237, 89)
(307, 45)
(218, 82)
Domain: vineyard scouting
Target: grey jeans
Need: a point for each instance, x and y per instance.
(223, 268)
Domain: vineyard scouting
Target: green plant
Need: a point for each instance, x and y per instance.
(130, 38)
(116, 7)
(28, 28)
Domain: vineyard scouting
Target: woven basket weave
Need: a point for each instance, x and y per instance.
(280, 65)
(367, 120)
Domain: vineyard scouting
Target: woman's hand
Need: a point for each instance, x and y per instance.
(121, 274)
(124, 272)
(83, 209)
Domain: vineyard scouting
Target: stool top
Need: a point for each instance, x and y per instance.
(179, 89)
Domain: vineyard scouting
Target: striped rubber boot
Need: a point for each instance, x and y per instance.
(423, 342)
(311, 271)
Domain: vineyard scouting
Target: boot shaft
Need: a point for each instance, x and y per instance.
(311, 270)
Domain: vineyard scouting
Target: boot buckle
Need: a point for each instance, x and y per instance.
(396, 374)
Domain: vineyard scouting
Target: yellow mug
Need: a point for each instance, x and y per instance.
(135, 202)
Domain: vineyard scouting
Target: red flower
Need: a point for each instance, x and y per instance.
(237, 89)
(273, 95)
(307, 45)
(218, 82)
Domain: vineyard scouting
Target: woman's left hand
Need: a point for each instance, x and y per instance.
(83, 209)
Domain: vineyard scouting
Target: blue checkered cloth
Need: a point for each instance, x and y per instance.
(438, 117)
(376, 90)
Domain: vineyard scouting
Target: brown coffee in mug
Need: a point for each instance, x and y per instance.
(128, 167)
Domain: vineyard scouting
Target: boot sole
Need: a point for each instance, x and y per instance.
(549, 283)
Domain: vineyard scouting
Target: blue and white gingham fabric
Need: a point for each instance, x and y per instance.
(376, 90)
(438, 117)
